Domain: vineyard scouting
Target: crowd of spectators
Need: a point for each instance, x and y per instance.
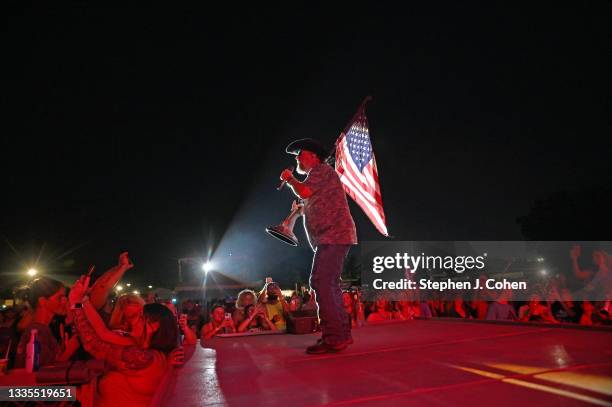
(142, 336)
(139, 341)
(550, 302)
(255, 313)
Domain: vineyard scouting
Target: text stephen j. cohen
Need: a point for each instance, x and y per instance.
(457, 263)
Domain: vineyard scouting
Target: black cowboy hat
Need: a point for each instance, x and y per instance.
(307, 144)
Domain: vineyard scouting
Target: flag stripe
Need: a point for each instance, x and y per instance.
(363, 193)
(364, 183)
(370, 211)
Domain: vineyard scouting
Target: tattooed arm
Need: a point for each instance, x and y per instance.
(122, 357)
(103, 285)
(101, 330)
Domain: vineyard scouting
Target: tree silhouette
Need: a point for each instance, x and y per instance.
(584, 214)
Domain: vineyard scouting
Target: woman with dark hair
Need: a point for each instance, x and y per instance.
(138, 370)
(47, 297)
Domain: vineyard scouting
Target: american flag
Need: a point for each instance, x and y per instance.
(356, 166)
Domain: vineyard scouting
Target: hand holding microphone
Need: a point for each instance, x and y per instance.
(286, 175)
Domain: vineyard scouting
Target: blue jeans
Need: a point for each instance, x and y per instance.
(325, 280)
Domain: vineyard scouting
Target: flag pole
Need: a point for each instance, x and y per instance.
(360, 111)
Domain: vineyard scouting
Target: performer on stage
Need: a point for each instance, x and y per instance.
(331, 232)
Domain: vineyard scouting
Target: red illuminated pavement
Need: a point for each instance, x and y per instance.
(429, 363)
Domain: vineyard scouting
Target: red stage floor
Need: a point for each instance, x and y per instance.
(420, 363)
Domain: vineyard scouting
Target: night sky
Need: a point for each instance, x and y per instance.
(161, 131)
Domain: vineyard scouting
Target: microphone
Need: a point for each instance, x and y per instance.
(282, 184)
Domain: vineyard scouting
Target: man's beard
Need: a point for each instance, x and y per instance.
(300, 170)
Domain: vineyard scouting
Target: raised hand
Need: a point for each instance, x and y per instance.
(124, 261)
(177, 357)
(286, 174)
(78, 290)
(296, 204)
(602, 259)
(575, 252)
